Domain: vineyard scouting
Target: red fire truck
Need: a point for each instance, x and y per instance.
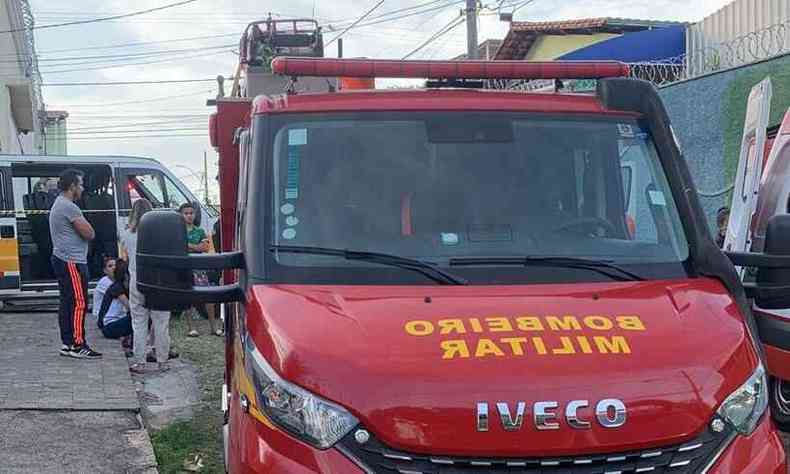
(458, 280)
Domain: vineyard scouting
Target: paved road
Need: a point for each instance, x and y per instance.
(62, 415)
(60, 442)
(34, 375)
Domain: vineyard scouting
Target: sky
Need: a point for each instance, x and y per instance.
(169, 121)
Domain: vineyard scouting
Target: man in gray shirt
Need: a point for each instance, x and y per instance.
(71, 234)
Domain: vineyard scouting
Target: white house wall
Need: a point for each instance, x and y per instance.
(17, 108)
(9, 141)
(744, 31)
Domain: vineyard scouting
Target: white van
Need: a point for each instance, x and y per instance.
(28, 186)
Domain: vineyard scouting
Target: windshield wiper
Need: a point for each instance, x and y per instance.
(428, 269)
(603, 267)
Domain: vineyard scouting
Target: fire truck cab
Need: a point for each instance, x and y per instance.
(454, 280)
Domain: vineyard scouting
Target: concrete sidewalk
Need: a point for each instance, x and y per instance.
(66, 415)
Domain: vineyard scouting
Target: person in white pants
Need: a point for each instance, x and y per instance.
(140, 314)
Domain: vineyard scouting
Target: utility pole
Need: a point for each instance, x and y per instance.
(205, 178)
(471, 29)
(340, 47)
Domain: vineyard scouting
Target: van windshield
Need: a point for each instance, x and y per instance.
(444, 187)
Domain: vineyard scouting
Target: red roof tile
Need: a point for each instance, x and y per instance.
(522, 34)
(546, 26)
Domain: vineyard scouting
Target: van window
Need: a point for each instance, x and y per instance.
(157, 188)
(25, 187)
(149, 186)
(175, 197)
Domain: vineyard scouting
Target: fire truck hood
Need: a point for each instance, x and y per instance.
(412, 363)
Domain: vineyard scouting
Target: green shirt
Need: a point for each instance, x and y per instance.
(196, 235)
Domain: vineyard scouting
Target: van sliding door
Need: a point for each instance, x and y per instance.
(35, 188)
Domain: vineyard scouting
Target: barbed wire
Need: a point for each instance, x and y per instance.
(31, 61)
(751, 47)
(746, 49)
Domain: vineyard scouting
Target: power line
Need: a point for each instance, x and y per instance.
(129, 83)
(96, 20)
(117, 120)
(519, 7)
(445, 4)
(408, 15)
(139, 63)
(191, 14)
(338, 23)
(186, 135)
(136, 124)
(107, 132)
(356, 22)
(127, 127)
(105, 126)
(394, 12)
(141, 43)
(241, 17)
(133, 55)
(113, 58)
(443, 31)
(439, 46)
(516, 5)
(145, 116)
(426, 20)
(143, 101)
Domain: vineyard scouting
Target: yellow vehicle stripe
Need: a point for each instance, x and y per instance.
(9, 255)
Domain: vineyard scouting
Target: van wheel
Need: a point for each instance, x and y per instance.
(779, 399)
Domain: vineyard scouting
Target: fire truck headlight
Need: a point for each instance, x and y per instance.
(744, 407)
(304, 415)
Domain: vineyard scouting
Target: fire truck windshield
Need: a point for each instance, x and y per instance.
(444, 187)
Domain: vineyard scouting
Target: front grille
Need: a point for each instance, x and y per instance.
(687, 458)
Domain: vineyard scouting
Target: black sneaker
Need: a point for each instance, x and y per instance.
(64, 350)
(84, 352)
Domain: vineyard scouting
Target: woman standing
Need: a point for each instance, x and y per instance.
(140, 314)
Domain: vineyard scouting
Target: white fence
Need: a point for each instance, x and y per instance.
(705, 57)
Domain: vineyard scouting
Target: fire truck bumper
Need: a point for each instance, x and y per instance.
(258, 448)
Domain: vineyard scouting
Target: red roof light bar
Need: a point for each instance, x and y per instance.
(387, 68)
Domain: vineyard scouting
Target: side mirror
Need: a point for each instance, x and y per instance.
(773, 284)
(165, 269)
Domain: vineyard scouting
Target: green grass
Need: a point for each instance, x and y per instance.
(202, 435)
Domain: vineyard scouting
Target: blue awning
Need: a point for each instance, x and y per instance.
(659, 44)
